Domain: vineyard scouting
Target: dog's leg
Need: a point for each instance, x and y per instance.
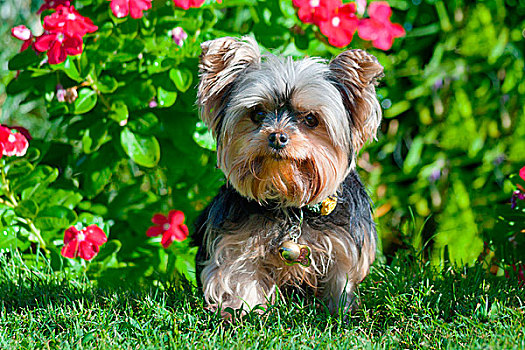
(233, 277)
(350, 267)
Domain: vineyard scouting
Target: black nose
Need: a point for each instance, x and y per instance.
(278, 140)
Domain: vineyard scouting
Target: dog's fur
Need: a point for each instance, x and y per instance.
(246, 97)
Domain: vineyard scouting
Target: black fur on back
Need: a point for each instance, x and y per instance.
(229, 209)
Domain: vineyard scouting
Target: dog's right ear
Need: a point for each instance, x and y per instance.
(222, 61)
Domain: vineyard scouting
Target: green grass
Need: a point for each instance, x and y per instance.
(402, 305)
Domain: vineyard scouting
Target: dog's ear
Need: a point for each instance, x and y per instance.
(356, 73)
(222, 61)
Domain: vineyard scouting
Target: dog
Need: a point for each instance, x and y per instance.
(293, 214)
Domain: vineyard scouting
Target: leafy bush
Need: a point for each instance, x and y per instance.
(120, 138)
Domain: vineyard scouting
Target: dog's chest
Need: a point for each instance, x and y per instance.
(258, 238)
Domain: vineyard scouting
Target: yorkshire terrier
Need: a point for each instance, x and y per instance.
(294, 212)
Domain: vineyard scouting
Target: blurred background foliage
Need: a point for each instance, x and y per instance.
(454, 128)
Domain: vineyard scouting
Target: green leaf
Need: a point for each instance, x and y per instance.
(41, 176)
(8, 238)
(144, 124)
(119, 111)
(182, 78)
(87, 99)
(27, 209)
(301, 41)
(112, 247)
(165, 98)
(107, 84)
(143, 150)
(23, 60)
(94, 137)
(19, 168)
(397, 109)
(69, 67)
(203, 137)
(55, 218)
(96, 180)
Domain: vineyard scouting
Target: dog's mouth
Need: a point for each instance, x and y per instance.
(277, 154)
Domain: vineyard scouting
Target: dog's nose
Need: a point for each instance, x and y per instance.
(278, 140)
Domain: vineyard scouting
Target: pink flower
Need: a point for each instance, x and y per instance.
(12, 143)
(340, 25)
(52, 4)
(59, 46)
(315, 11)
(178, 35)
(171, 227)
(68, 21)
(121, 8)
(186, 4)
(378, 27)
(522, 173)
(84, 243)
(23, 33)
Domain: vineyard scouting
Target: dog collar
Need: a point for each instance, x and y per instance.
(325, 207)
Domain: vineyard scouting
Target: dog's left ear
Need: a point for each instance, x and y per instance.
(356, 73)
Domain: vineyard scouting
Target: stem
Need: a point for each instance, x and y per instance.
(13, 203)
(104, 101)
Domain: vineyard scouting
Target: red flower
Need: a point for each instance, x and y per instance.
(315, 11)
(522, 173)
(12, 143)
(121, 8)
(68, 21)
(84, 244)
(186, 4)
(340, 25)
(378, 27)
(23, 33)
(58, 46)
(171, 227)
(52, 4)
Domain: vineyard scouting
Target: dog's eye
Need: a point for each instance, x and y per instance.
(311, 121)
(257, 116)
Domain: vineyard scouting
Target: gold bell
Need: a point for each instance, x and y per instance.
(293, 253)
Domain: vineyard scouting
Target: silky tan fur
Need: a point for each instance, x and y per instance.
(267, 188)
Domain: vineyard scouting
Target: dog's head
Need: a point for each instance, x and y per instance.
(287, 131)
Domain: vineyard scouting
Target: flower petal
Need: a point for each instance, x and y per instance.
(368, 29)
(137, 6)
(380, 11)
(70, 234)
(70, 249)
(44, 42)
(15, 145)
(95, 235)
(179, 233)
(383, 42)
(87, 250)
(73, 45)
(57, 53)
(184, 4)
(21, 32)
(154, 231)
(175, 217)
(159, 219)
(522, 173)
(120, 8)
(396, 30)
(167, 238)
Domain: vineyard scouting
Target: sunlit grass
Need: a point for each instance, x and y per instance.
(405, 305)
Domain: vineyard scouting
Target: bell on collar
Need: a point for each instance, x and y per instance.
(293, 253)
